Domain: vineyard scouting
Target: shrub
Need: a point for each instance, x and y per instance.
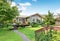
(33, 24)
(47, 36)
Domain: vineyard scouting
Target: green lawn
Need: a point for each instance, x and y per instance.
(29, 32)
(58, 36)
(6, 35)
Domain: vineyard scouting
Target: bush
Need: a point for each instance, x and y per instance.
(50, 35)
(33, 24)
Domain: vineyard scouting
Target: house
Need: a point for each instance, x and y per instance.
(24, 20)
(35, 18)
(57, 23)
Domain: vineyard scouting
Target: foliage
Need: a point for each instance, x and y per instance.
(39, 21)
(6, 35)
(29, 32)
(7, 13)
(50, 35)
(47, 35)
(33, 24)
(49, 19)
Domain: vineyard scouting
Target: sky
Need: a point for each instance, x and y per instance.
(30, 7)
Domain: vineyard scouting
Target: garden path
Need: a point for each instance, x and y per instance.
(22, 35)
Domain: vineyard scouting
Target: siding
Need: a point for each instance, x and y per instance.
(34, 18)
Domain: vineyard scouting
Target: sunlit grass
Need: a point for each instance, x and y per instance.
(6, 35)
(58, 35)
(30, 32)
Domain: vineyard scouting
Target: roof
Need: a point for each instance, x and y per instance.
(23, 16)
(35, 15)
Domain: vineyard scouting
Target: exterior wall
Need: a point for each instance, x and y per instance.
(19, 20)
(34, 19)
(22, 21)
(57, 23)
(30, 20)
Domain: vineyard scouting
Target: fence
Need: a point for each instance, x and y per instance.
(47, 34)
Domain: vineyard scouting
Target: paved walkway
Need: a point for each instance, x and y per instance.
(22, 35)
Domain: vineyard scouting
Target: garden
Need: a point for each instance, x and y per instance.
(9, 35)
(29, 31)
(8, 14)
(47, 35)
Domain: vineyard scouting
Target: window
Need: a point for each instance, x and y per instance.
(33, 20)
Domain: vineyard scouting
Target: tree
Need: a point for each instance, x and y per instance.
(7, 13)
(49, 19)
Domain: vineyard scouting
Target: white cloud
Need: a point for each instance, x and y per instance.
(13, 4)
(34, 0)
(23, 6)
(58, 10)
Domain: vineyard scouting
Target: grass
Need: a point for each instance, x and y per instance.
(58, 36)
(6, 35)
(29, 32)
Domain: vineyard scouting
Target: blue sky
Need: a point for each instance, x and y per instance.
(30, 7)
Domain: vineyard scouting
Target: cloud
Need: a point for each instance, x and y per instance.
(23, 6)
(34, 0)
(58, 10)
(13, 4)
